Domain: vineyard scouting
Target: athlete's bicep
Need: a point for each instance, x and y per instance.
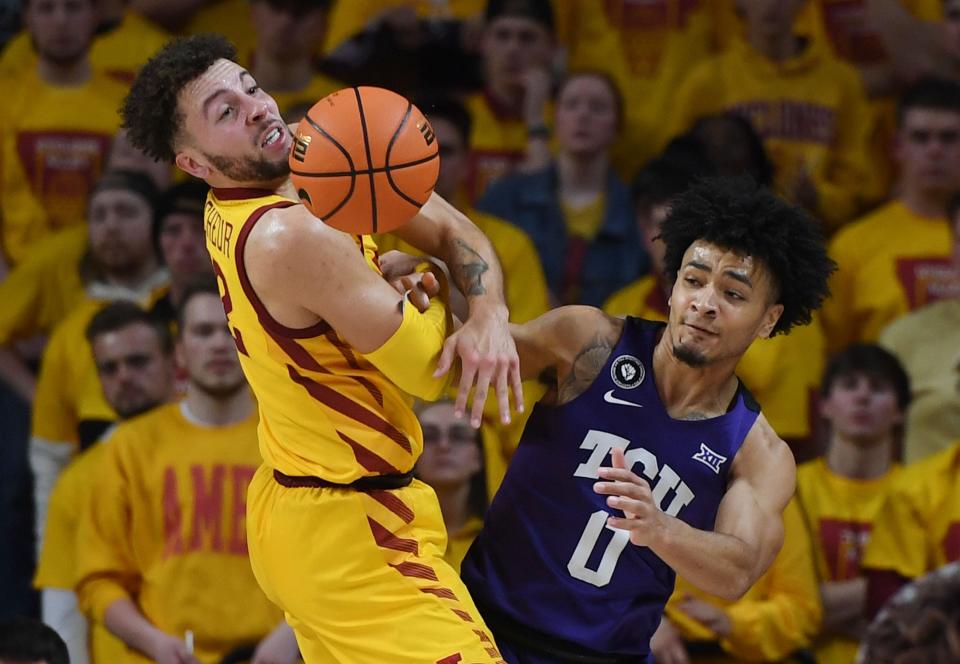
(752, 507)
(304, 268)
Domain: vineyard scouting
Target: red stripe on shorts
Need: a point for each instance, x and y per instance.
(388, 540)
(392, 503)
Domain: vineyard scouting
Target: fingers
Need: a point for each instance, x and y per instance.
(468, 368)
(516, 384)
(618, 459)
(503, 394)
(621, 474)
(446, 357)
(634, 488)
(487, 366)
(414, 293)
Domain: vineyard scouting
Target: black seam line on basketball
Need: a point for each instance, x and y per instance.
(336, 143)
(366, 147)
(393, 139)
(341, 174)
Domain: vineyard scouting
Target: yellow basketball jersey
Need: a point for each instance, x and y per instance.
(325, 411)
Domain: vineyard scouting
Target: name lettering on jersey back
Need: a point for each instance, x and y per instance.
(663, 479)
(217, 229)
(214, 498)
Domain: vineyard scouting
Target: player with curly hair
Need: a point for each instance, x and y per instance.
(646, 437)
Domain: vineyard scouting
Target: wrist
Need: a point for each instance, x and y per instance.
(485, 308)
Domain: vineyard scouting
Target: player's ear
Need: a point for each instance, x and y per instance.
(770, 318)
(192, 166)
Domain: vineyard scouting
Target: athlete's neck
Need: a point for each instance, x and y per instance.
(857, 459)
(930, 203)
(206, 409)
(692, 393)
(65, 75)
(276, 76)
(582, 177)
(454, 506)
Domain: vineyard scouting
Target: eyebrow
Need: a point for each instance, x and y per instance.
(210, 99)
(739, 276)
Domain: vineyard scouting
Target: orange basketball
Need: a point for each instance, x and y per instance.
(364, 160)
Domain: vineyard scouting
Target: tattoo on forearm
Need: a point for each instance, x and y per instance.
(467, 269)
(585, 368)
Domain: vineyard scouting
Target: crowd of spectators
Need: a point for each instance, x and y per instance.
(565, 130)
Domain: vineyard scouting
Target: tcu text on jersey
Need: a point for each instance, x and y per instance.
(662, 480)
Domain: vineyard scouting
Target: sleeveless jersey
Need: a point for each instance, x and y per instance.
(325, 411)
(546, 558)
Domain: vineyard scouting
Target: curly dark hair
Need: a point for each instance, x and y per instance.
(150, 112)
(739, 215)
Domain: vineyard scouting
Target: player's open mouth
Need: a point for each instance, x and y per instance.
(272, 137)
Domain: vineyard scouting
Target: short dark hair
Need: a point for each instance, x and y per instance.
(121, 315)
(451, 110)
(28, 640)
(540, 11)
(200, 285)
(760, 167)
(869, 360)
(670, 173)
(186, 197)
(737, 214)
(929, 93)
(150, 112)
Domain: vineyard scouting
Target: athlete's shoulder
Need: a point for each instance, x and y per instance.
(764, 453)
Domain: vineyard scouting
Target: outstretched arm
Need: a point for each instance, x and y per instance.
(484, 346)
(749, 527)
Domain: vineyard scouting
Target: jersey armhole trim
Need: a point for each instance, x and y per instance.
(269, 322)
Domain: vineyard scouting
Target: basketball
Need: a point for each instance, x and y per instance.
(364, 160)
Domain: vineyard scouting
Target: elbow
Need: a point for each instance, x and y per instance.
(736, 585)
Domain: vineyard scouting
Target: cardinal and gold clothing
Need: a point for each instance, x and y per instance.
(810, 110)
(230, 18)
(888, 263)
(927, 343)
(360, 575)
(778, 615)
(840, 513)
(53, 147)
(166, 529)
(42, 289)
(783, 372)
(57, 566)
(69, 396)
(119, 51)
(918, 527)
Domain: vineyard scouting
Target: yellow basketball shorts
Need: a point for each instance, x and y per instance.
(361, 576)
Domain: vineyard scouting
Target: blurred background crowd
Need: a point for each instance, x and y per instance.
(566, 127)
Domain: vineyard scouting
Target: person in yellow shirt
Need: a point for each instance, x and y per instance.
(333, 370)
(282, 62)
(896, 258)
(809, 107)
(69, 410)
(124, 40)
(510, 115)
(917, 529)
(452, 463)
(134, 358)
(864, 398)
(778, 616)
(161, 544)
(55, 127)
(927, 342)
(782, 372)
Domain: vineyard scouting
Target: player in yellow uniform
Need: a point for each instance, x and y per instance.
(809, 107)
(782, 372)
(134, 359)
(864, 398)
(161, 544)
(918, 527)
(897, 258)
(776, 617)
(340, 537)
(55, 127)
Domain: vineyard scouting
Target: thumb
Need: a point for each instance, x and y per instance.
(446, 356)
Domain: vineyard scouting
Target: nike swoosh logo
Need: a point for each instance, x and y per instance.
(609, 398)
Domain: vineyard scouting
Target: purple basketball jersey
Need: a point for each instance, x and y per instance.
(546, 559)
